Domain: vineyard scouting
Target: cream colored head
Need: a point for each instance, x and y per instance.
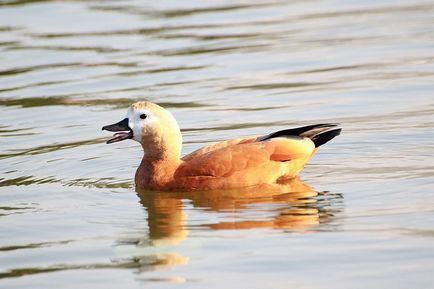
(154, 128)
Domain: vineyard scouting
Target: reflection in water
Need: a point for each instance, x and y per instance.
(293, 206)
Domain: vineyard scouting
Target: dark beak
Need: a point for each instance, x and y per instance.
(124, 131)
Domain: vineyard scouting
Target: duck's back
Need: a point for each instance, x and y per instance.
(251, 161)
(244, 164)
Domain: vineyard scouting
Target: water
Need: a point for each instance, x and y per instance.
(359, 217)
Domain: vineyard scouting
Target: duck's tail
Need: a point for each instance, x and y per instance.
(321, 135)
(318, 133)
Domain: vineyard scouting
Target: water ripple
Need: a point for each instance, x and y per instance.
(225, 69)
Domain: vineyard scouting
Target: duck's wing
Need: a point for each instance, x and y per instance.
(217, 146)
(259, 156)
(248, 157)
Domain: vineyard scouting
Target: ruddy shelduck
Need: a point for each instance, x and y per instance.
(234, 163)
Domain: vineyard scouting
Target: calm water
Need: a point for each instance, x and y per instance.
(361, 215)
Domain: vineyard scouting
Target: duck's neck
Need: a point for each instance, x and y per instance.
(159, 163)
(161, 150)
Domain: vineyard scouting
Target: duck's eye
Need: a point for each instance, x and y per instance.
(143, 116)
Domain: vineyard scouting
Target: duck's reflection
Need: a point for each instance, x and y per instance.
(293, 206)
(289, 207)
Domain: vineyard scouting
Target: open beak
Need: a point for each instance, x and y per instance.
(123, 131)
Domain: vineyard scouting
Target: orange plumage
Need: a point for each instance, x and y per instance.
(229, 164)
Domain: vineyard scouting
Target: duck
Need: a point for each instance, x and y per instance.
(235, 163)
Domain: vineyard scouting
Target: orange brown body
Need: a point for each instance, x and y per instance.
(229, 164)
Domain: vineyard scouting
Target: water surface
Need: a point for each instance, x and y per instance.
(358, 217)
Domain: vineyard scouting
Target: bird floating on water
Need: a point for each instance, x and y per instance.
(229, 164)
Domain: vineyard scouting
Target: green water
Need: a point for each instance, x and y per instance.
(359, 217)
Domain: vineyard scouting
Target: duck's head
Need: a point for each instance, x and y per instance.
(152, 126)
